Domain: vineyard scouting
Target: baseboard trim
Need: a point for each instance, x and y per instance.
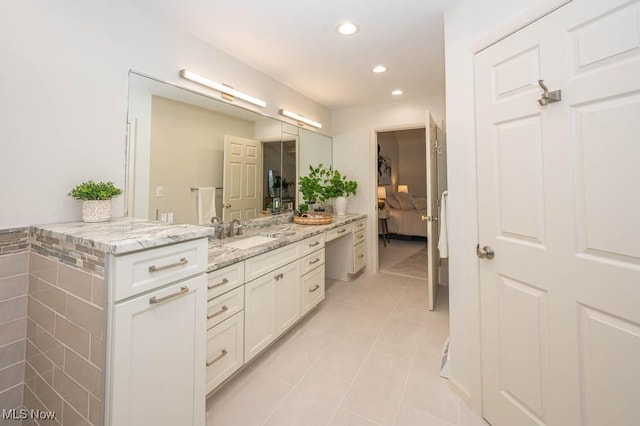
(460, 390)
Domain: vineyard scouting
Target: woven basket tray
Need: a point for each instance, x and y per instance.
(313, 219)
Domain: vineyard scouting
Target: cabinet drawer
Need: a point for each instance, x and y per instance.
(338, 232)
(312, 261)
(225, 350)
(311, 244)
(360, 225)
(359, 257)
(312, 289)
(225, 306)
(225, 279)
(145, 270)
(359, 237)
(260, 265)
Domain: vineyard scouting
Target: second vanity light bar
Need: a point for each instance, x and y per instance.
(300, 118)
(188, 75)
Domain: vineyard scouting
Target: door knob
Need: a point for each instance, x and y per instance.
(227, 205)
(485, 252)
(429, 218)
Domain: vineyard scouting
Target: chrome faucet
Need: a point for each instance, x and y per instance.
(218, 226)
(232, 230)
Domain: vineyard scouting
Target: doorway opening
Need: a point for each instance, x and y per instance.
(402, 184)
(411, 179)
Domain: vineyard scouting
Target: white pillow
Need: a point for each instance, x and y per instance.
(392, 201)
(419, 203)
(404, 198)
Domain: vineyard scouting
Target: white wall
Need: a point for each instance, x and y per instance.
(469, 25)
(63, 101)
(355, 150)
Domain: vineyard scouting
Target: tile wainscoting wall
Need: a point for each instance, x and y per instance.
(14, 279)
(51, 344)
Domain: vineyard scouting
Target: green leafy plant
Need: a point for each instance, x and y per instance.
(323, 183)
(91, 190)
(337, 185)
(311, 185)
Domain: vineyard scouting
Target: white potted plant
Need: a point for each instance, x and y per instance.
(96, 200)
(338, 187)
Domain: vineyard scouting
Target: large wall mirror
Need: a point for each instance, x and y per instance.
(192, 157)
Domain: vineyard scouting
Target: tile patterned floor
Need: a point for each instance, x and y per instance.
(369, 355)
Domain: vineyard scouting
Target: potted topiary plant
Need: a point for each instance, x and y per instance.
(339, 187)
(96, 199)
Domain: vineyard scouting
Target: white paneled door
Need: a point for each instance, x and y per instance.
(241, 180)
(559, 203)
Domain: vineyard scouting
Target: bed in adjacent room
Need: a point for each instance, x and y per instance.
(405, 215)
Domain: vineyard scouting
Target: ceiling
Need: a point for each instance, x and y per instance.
(295, 42)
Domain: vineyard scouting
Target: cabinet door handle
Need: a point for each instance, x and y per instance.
(223, 282)
(361, 256)
(182, 261)
(279, 277)
(314, 261)
(183, 290)
(314, 244)
(315, 287)
(218, 358)
(342, 231)
(221, 311)
(360, 237)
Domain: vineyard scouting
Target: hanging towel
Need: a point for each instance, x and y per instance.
(206, 205)
(443, 241)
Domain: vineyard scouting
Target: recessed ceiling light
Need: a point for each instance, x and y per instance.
(347, 28)
(397, 92)
(379, 69)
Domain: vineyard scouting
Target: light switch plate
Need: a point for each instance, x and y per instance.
(159, 191)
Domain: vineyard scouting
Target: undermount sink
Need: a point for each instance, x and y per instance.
(249, 242)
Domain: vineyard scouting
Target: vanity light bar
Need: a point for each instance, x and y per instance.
(300, 118)
(225, 90)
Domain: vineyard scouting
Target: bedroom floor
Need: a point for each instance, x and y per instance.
(397, 251)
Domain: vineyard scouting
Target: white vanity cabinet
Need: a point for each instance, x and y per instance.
(272, 301)
(346, 250)
(312, 286)
(225, 324)
(312, 266)
(156, 354)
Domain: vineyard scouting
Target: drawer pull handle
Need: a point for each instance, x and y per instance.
(317, 259)
(223, 282)
(279, 277)
(360, 237)
(361, 256)
(315, 287)
(221, 311)
(218, 358)
(342, 231)
(183, 290)
(154, 268)
(314, 244)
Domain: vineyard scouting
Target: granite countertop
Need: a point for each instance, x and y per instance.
(122, 235)
(221, 255)
(125, 235)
